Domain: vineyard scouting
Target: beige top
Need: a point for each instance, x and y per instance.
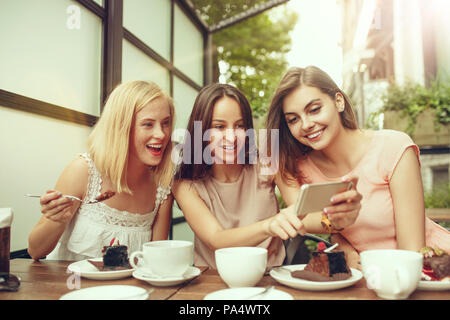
(236, 204)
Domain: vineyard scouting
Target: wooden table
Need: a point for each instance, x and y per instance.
(438, 214)
(47, 280)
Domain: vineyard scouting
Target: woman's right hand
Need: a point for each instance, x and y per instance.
(56, 207)
(285, 224)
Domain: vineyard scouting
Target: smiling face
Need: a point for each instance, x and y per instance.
(150, 132)
(313, 116)
(227, 132)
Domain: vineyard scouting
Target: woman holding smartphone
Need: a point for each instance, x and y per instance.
(322, 142)
(228, 202)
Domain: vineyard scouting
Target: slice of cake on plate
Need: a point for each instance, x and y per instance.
(115, 257)
(325, 266)
(436, 264)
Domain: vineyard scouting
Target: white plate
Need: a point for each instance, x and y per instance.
(247, 292)
(284, 277)
(87, 270)
(434, 285)
(114, 292)
(191, 273)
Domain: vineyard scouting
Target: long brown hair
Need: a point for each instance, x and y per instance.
(203, 111)
(290, 149)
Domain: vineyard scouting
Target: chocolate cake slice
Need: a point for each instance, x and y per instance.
(325, 266)
(115, 255)
(436, 264)
(440, 266)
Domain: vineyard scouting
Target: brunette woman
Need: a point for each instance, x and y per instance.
(322, 142)
(225, 198)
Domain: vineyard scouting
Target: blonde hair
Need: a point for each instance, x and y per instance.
(109, 141)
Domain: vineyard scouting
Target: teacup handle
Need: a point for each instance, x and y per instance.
(401, 280)
(138, 255)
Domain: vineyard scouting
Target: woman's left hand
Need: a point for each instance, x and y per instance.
(345, 206)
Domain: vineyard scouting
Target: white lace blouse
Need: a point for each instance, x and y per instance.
(94, 225)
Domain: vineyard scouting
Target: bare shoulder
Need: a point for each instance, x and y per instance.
(78, 168)
(79, 164)
(367, 134)
(181, 187)
(74, 178)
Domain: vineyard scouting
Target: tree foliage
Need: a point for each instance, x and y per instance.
(412, 99)
(250, 54)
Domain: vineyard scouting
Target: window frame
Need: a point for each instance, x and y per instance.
(113, 33)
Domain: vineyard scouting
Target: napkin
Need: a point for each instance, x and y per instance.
(6, 217)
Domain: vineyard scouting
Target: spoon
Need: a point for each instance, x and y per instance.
(151, 275)
(260, 294)
(104, 196)
(331, 248)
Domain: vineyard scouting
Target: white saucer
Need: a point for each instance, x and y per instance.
(190, 273)
(119, 292)
(247, 292)
(87, 270)
(434, 285)
(284, 277)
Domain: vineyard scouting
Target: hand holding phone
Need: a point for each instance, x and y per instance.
(315, 197)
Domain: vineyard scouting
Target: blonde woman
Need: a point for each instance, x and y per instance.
(129, 153)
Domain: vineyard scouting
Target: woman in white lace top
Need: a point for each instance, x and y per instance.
(130, 154)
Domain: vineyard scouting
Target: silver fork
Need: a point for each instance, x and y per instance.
(65, 196)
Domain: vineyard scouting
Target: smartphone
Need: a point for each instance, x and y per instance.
(314, 197)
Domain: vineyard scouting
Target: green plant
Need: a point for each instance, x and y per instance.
(412, 99)
(281, 203)
(251, 54)
(439, 197)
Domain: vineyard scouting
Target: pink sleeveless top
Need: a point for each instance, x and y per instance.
(236, 204)
(375, 225)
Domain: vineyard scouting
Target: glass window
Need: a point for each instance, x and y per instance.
(180, 231)
(29, 166)
(184, 98)
(183, 231)
(440, 176)
(136, 65)
(150, 22)
(51, 51)
(188, 47)
(100, 2)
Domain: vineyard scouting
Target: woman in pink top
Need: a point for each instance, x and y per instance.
(321, 142)
(221, 190)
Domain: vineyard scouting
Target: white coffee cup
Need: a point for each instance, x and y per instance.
(392, 274)
(166, 258)
(241, 266)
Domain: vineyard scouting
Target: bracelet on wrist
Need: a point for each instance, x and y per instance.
(328, 226)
